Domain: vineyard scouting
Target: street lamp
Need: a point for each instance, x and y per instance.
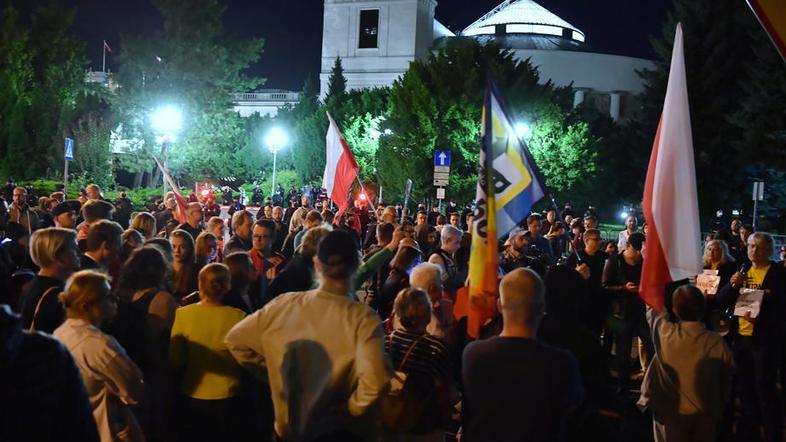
(275, 139)
(166, 122)
(523, 130)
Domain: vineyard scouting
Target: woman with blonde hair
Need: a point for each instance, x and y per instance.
(206, 249)
(717, 260)
(145, 224)
(184, 264)
(112, 380)
(54, 250)
(209, 379)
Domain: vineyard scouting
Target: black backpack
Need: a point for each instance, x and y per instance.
(129, 327)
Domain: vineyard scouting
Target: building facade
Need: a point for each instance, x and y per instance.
(377, 39)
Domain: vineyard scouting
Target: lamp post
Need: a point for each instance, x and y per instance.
(166, 122)
(275, 139)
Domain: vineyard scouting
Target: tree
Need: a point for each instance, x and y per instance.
(716, 42)
(437, 105)
(42, 72)
(193, 64)
(337, 83)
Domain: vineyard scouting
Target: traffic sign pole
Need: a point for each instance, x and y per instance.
(68, 156)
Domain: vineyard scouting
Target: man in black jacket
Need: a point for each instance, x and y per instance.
(758, 340)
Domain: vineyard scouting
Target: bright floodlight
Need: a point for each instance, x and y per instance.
(275, 139)
(523, 130)
(166, 120)
(624, 215)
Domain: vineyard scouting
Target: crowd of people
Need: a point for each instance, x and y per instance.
(300, 324)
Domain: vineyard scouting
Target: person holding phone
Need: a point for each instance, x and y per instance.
(621, 277)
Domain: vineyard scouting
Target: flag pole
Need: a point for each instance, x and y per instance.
(103, 65)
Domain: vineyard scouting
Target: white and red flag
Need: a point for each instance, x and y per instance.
(341, 169)
(106, 47)
(671, 208)
(180, 209)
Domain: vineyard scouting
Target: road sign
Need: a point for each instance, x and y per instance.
(69, 149)
(442, 158)
(758, 190)
(442, 169)
(441, 176)
(440, 183)
(440, 193)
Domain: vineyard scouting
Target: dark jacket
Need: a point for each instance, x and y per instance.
(44, 398)
(297, 276)
(769, 326)
(43, 290)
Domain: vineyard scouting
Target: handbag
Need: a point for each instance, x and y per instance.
(403, 405)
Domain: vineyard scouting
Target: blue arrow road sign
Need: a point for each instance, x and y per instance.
(69, 149)
(442, 158)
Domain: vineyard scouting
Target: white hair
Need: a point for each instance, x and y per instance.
(426, 276)
(449, 232)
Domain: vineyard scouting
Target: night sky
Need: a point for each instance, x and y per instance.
(292, 29)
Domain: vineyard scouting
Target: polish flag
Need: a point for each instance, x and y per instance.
(671, 207)
(341, 169)
(106, 46)
(180, 209)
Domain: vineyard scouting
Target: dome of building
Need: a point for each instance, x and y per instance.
(516, 18)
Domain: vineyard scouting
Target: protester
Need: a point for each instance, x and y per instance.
(313, 219)
(516, 388)
(209, 378)
(216, 226)
(193, 224)
(450, 240)
(20, 212)
(93, 210)
(104, 245)
(206, 249)
(240, 241)
(145, 316)
(132, 240)
(538, 242)
(423, 358)
(241, 270)
(758, 341)
(563, 327)
(589, 263)
(298, 274)
(689, 380)
(64, 214)
(267, 263)
(428, 277)
(55, 252)
(407, 256)
(515, 254)
(373, 288)
(184, 265)
(621, 277)
(38, 363)
(340, 342)
(112, 380)
(630, 227)
(145, 224)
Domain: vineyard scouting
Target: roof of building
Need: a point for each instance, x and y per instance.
(523, 17)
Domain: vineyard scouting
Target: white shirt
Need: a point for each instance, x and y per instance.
(324, 356)
(112, 380)
(691, 372)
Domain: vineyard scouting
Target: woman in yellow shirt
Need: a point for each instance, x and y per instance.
(208, 378)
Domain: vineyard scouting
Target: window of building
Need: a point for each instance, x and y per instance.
(369, 29)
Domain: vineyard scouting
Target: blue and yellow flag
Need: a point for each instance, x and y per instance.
(508, 186)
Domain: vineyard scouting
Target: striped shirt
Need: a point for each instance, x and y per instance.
(427, 361)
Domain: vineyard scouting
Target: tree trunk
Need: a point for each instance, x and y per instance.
(138, 179)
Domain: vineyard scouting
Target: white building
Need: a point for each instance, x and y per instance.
(265, 102)
(377, 39)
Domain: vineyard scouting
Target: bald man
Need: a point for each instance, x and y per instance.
(517, 388)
